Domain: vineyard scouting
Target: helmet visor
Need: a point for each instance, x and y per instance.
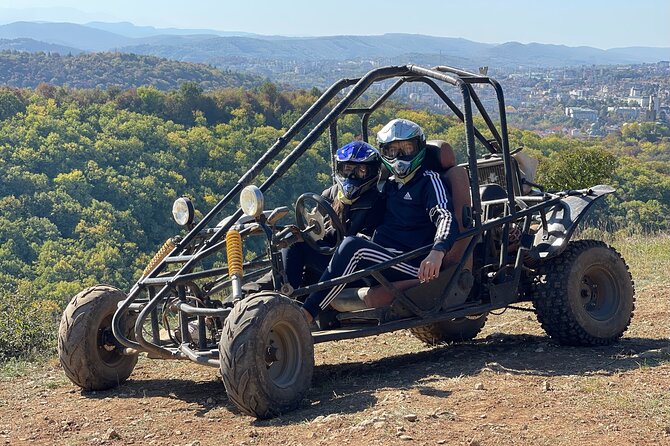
(354, 171)
(403, 149)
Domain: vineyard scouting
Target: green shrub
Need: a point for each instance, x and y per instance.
(28, 326)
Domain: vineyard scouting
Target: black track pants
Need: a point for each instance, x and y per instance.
(353, 254)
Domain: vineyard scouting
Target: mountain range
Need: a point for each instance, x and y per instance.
(220, 48)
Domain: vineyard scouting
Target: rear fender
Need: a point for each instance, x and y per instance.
(562, 220)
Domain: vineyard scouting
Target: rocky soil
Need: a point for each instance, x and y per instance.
(510, 386)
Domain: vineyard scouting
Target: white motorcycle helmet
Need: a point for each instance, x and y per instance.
(402, 166)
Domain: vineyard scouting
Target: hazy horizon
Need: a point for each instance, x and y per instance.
(597, 23)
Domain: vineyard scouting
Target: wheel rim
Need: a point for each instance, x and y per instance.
(282, 355)
(599, 294)
(106, 347)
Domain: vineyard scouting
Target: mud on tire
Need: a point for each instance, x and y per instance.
(455, 330)
(85, 348)
(267, 355)
(586, 295)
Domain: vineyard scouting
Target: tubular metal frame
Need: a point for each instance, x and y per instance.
(203, 241)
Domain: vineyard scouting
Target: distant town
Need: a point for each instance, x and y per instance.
(582, 102)
(577, 101)
(595, 100)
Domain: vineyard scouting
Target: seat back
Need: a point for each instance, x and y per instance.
(441, 155)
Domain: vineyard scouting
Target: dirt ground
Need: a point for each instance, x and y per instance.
(510, 386)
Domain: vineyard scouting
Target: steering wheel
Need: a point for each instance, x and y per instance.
(313, 221)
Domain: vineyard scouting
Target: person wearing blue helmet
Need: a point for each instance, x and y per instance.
(356, 200)
(417, 213)
(356, 170)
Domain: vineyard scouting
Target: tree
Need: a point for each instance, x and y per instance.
(10, 104)
(577, 168)
(152, 100)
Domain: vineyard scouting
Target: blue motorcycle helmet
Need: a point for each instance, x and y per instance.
(356, 169)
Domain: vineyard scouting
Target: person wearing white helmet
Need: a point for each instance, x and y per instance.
(402, 144)
(417, 213)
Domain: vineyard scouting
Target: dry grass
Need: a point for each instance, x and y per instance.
(648, 258)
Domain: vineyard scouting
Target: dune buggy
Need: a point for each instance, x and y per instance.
(194, 302)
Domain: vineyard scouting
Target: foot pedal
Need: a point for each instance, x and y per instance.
(328, 320)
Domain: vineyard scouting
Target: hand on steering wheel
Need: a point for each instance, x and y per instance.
(314, 222)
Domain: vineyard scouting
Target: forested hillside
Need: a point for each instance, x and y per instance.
(103, 70)
(34, 46)
(88, 177)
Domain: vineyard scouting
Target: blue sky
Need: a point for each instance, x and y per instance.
(598, 23)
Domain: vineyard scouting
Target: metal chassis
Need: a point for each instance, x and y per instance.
(503, 283)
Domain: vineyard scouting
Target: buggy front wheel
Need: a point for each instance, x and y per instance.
(267, 355)
(87, 350)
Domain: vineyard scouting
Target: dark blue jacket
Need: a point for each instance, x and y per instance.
(363, 215)
(417, 214)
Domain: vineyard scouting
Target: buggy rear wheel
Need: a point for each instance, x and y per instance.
(585, 296)
(454, 330)
(88, 353)
(267, 355)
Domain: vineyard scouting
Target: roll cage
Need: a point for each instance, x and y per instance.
(499, 277)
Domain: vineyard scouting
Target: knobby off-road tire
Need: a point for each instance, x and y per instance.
(455, 330)
(267, 355)
(586, 295)
(85, 348)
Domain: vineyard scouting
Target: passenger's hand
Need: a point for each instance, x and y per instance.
(430, 267)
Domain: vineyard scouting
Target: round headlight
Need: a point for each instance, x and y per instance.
(252, 201)
(183, 211)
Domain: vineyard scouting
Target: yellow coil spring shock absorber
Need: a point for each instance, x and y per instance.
(167, 247)
(235, 260)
